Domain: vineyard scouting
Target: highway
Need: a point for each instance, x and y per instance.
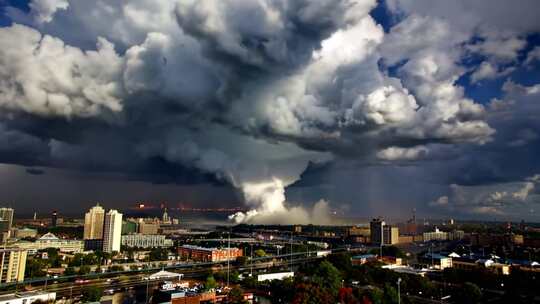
(70, 289)
(65, 286)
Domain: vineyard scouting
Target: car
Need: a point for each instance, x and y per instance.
(81, 281)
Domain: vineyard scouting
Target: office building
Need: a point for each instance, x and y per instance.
(21, 233)
(148, 227)
(12, 265)
(203, 254)
(436, 235)
(406, 239)
(112, 231)
(93, 223)
(376, 230)
(54, 218)
(50, 240)
(145, 241)
(436, 261)
(358, 231)
(456, 235)
(129, 227)
(93, 245)
(5, 232)
(6, 220)
(390, 235)
(7, 214)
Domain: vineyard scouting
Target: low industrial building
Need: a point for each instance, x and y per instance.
(146, 241)
(488, 264)
(436, 235)
(28, 297)
(50, 240)
(436, 261)
(20, 233)
(274, 276)
(203, 254)
(406, 239)
(363, 259)
(148, 228)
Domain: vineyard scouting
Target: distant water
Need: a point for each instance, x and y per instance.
(192, 219)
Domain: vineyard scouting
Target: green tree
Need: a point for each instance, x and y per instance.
(341, 261)
(85, 269)
(250, 282)
(35, 268)
(54, 260)
(220, 276)
(469, 294)
(91, 294)
(116, 268)
(69, 271)
(76, 260)
(282, 291)
(210, 283)
(241, 260)
(158, 254)
(327, 277)
(375, 295)
(236, 296)
(390, 294)
(234, 276)
(260, 253)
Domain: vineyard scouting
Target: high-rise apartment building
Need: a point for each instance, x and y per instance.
(6, 220)
(93, 223)
(112, 231)
(7, 214)
(390, 235)
(54, 218)
(376, 230)
(12, 265)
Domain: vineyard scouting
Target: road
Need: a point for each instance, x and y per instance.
(65, 286)
(70, 290)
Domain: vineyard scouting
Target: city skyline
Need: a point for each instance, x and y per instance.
(292, 110)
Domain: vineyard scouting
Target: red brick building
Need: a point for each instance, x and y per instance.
(202, 254)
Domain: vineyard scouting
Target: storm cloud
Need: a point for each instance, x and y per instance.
(256, 94)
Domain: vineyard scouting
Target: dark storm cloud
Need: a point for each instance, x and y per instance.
(35, 171)
(251, 93)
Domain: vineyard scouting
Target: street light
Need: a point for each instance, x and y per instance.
(147, 287)
(398, 290)
(46, 279)
(228, 256)
(251, 261)
(291, 256)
